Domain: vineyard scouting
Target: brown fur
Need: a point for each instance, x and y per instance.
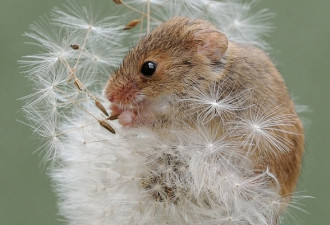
(253, 69)
(188, 53)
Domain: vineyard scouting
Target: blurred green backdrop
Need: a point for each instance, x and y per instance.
(301, 44)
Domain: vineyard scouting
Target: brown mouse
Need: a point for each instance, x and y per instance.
(185, 54)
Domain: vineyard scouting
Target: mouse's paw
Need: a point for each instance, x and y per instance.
(127, 118)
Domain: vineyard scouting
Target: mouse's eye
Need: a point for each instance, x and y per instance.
(148, 68)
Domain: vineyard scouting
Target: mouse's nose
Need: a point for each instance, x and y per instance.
(111, 98)
(111, 95)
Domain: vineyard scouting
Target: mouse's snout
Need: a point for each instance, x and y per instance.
(122, 94)
(109, 94)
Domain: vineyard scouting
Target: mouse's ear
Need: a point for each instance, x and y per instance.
(211, 43)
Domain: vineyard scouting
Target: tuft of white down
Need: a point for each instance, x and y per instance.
(190, 176)
(137, 177)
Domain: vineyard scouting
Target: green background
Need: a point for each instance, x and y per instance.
(301, 49)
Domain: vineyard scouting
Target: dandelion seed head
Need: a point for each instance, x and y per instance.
(235, 20)
(256, 127)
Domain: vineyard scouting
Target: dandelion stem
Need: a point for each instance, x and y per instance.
(75, 102)
(141, 23)
(72, 102)
(73, 129)
(148, 16)
(138, 11)
(88, 112)
(97, 141)
(83, 47)
(72, 73)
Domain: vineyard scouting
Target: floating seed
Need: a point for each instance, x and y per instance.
(118, 1)
(78, 84)
(113, 117)
(75, 47)
(131, 24)
(106, 126)
(101, 107)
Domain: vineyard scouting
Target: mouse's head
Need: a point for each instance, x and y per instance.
(166, 61)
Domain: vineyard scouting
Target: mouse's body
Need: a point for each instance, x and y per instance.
(161, 77)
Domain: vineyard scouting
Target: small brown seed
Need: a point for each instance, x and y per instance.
(78, 84)
(75, 47)
(107, 126)
(113, 117)
(101, 107)
(118, 1)
(131, 24)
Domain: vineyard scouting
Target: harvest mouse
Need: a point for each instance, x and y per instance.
(183, 56)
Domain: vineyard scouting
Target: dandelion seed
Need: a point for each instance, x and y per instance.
(118, 1)
(75, 47)
(261, 129)
(131, 24)
(78, 84)
(113, 117)
(101, 107)
(55, 48)
(215, 101)
(235, 20)
(107, 126)
(79, 18)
